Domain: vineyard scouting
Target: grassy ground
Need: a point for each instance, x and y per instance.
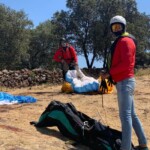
(17, 134)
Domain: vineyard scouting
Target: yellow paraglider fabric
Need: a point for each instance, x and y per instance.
(110, 87)
(66, 87)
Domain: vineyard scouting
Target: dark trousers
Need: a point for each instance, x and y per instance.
(70, 67)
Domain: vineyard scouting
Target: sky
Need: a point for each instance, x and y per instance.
(39, 11)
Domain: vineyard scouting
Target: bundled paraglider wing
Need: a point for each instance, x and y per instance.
(77, 82)
(81, 83)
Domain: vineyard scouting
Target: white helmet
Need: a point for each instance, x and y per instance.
(118, 19)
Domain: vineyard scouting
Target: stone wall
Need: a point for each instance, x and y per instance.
(27, 78)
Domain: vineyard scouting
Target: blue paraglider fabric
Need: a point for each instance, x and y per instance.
(6, 98)
(82, 84)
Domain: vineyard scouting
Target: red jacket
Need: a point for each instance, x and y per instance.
(69, 55)
(123, 61)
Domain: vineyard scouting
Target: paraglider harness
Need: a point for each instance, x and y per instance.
(109, 57)
(113, 46)
(79, 127)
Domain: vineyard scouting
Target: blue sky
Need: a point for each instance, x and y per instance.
(37, 10)
(41, 10)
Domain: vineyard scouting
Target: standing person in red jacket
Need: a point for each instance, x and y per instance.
(66, 55)
(121, 71)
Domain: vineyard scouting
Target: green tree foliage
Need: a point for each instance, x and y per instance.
(14, 37)
(86, 23)
(42, 45)
(141, 30)
(61, 22)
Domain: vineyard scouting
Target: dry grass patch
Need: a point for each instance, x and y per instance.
(17, 134)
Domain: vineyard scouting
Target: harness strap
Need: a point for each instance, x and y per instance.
(112, 49)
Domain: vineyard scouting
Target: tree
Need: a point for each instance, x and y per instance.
(141, 30)
(42, 45)
(83, 24)
(14, 39)
(86, 23)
